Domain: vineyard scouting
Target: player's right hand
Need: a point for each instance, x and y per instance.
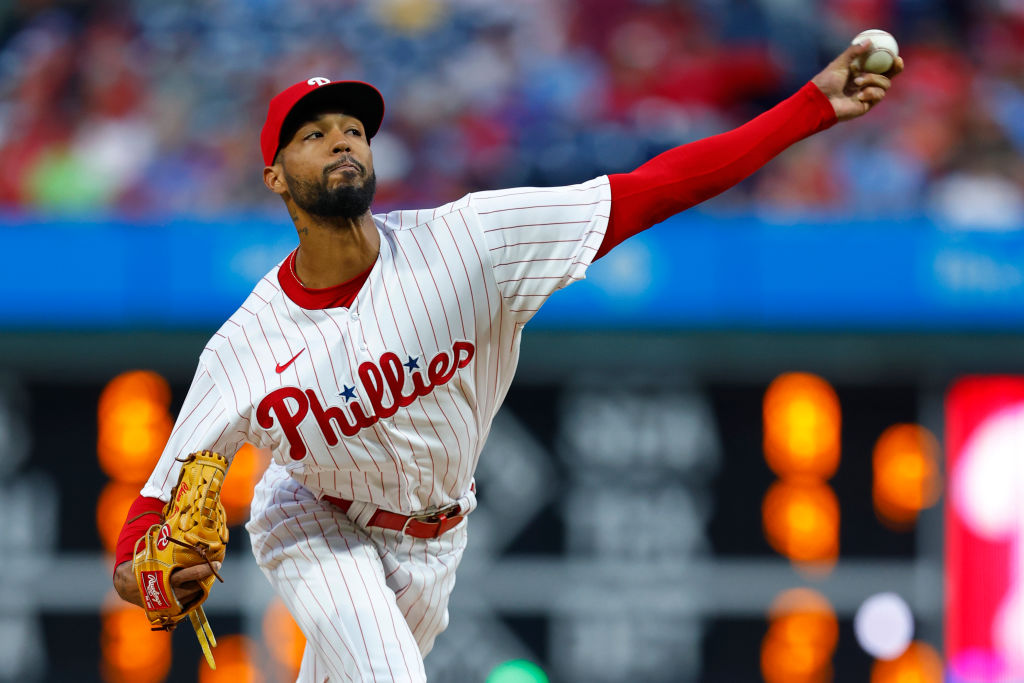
(185, 582)
(851, 92)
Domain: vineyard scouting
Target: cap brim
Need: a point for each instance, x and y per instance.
(354, 98)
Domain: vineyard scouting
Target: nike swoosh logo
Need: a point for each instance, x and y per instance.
(281, 368)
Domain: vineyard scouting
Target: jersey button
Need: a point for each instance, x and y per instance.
(355, 316)
(362, 347)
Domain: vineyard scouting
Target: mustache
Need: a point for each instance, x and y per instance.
(344, 161)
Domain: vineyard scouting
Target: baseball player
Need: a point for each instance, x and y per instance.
(372, 360)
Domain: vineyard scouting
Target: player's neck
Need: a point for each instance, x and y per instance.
(332, 253)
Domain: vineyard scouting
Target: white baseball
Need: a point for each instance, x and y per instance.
(884, 51)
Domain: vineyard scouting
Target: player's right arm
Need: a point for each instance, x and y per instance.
(541, 239)
(206, 422)
(692, 173)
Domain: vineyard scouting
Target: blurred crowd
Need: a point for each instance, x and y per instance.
(149, 107)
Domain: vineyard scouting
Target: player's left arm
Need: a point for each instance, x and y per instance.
(206, 420)
(692, 173)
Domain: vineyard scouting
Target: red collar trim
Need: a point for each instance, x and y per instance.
(338, 296)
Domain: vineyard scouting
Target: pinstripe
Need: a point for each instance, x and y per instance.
(469, 464)
(255, 358)
(527, 208)
(373, 607)
(270, 347)
(168, 464)
(435, 585)
(440, 620)
(433, 280)
(291, 352)
(495, 195)
(313, 623)
(468, 448)
(381, 429)
(437, 343)
(234, 394)
(184, 420)
(520, 244)
(351, 599)
(350, 353)
(398, 331)
(201, 421)
(472, 299)
(536, 225)
(344, 442)
(327, 347)
(448, 272)
(315, 636)
(240, 367)
(532, 260)
(386, 599)
(493, 377)
(316, 375)
(448, 387)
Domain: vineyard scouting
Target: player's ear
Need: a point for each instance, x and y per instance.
(273, 178)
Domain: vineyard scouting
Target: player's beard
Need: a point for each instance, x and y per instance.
(344, 201)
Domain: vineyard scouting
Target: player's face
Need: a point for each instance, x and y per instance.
(328, 166)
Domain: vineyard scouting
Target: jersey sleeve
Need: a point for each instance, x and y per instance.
(541, 239)
(206, 422)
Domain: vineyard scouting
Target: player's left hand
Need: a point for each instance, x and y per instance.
(853, 93)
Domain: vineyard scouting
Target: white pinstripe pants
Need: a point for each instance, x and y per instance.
(370, 602)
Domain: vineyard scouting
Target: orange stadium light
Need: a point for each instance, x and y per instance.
(802, 424)
(284, 639)
(919, 664)
(801, 520)
(136, 383)
(802, 635)
(906, 474)
(129, 651)
(246, 469)
(111, 510)
(234, 662)
(134, 423)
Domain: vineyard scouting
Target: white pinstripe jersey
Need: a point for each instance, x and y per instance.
(390, 401)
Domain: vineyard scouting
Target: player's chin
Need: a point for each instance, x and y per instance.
(345, 178)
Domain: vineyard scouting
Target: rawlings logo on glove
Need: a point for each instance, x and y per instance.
(193, 531)
(154, 595)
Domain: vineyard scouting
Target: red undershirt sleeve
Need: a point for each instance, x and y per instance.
(144, 513)
(689, 174)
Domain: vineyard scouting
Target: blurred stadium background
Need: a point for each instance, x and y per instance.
(778, 438)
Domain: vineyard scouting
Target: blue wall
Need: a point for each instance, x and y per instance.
(694, 271)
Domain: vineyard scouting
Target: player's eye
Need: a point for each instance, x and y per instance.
(311, 134)
(355, 130)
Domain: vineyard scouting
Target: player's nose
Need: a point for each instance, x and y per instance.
(340, 144)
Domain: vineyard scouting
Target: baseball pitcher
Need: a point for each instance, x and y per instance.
(372, 360)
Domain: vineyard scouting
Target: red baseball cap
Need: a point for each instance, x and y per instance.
(359, 99)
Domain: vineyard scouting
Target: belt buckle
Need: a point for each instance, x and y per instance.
(436, 517)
